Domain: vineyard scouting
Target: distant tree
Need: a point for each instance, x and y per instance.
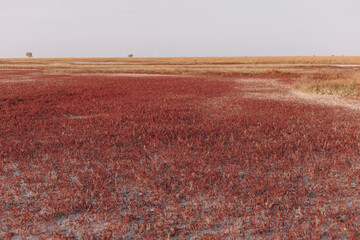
(130, 55)
(29, 54)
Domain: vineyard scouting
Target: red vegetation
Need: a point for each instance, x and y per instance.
(156, 157)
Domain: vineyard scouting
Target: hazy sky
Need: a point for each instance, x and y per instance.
(175, 28)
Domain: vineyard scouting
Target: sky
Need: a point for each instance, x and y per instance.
(179, 28)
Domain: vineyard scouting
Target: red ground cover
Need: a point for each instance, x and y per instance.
(182, 157)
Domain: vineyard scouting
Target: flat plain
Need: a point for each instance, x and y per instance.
(180, 148)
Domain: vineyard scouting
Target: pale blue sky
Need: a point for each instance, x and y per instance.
(175, 28)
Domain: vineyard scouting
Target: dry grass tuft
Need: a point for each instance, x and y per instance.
(340, 83)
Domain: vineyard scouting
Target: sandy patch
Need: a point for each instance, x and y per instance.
(124, 75)
(274, 90)
(347, 65)
(96, 63)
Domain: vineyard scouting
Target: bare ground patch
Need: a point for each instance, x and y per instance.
(273, 89)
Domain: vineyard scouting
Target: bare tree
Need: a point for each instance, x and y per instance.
(130, 55)
(29, 54)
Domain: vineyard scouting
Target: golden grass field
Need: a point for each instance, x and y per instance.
(335, 75)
